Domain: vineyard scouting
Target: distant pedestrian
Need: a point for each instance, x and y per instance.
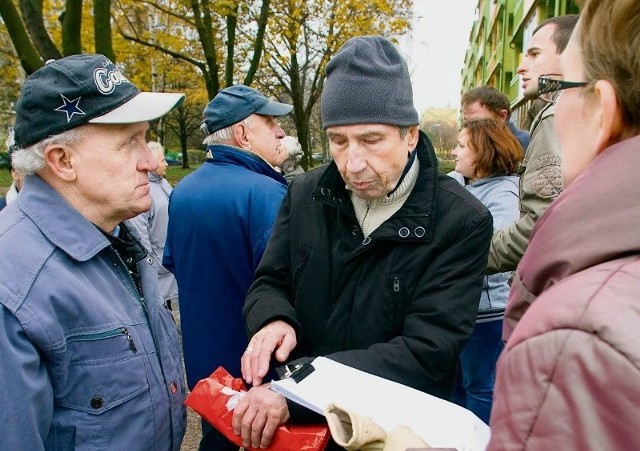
(487, 157)
(152, 225)
(291, 167)
(488, 102)
(540, 178)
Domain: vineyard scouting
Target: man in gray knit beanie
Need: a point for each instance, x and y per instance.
(375, 260)
(368, 82)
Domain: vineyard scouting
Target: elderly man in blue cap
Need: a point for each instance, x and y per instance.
(90, 357)
(220, 218)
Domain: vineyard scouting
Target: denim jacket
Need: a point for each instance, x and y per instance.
(86, 363)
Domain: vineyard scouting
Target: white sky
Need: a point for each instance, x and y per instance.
(435, 51)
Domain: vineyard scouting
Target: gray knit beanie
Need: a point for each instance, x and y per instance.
(368, 82)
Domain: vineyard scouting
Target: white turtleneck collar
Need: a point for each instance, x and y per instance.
(371, 214)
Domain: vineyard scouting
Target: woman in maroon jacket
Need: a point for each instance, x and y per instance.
(569, 377)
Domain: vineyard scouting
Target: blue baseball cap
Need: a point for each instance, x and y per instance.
(80, 89)
(235, 103)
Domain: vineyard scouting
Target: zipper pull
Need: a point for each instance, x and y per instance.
(132, 345)
(396, 284)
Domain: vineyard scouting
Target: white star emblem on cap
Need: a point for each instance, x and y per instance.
(70, 107)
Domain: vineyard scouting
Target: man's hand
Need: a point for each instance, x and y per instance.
(277, 336)
(258, 415)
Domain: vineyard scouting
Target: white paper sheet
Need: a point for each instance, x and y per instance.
(440, 423)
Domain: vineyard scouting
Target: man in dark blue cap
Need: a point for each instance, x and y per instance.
(90, 357)
(376, 260)
(220, 218)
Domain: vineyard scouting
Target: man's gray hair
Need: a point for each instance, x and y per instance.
(225, 135)
(30, 160)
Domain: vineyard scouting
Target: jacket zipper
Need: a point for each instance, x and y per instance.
(398, 316)
(137, 287)
(103, 335)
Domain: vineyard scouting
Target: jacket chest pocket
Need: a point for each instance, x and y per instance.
(101, 390)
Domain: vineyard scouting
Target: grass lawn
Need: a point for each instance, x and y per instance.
(175, 173)
(446, 166)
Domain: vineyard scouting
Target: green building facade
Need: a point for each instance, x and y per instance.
(499, 35)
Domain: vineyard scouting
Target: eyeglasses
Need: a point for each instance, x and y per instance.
(549, 87)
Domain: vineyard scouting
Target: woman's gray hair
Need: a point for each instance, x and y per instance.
(157, 150)
(30, 160)
(225, 135)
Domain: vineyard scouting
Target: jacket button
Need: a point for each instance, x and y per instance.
(96, 402)
(367, 240)
(419, 231)
(173, 388)
(150, 260)
(403, 232)
(325, 191)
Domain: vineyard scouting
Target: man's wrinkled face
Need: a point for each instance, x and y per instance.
(264, 135)
(371, 157)
(541, 58)
(112, 165)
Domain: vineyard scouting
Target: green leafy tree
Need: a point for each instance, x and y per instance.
(37, 36)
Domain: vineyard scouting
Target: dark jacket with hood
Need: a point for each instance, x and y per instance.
(399, 303)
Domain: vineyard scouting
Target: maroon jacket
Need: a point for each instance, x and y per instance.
(569, 377)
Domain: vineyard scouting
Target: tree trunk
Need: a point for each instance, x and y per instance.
(232, 23)
(259, 44)
(32, 14)
(71, 25)
(29, 58)
(202, 18)
(102, 28)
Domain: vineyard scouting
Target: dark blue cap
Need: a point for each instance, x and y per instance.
(81, 89)
(235, 103)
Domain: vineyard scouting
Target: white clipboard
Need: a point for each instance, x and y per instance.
(440, 423)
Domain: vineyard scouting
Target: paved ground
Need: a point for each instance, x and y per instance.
(192, 436)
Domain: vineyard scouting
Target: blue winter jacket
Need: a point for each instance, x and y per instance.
(220, 218)
(87, 363)
(500, 195)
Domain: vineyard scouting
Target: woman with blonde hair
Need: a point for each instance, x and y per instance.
(487, 156)
(569, 377)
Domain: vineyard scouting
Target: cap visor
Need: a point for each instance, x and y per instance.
(275, 109)
(145, 106)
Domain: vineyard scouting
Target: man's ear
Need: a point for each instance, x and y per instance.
(240, 136)
(503, 114)
(412, 137)
(608, 118)
(58, 159)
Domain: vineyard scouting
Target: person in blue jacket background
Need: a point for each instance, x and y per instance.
(220, 218)
(487, 157)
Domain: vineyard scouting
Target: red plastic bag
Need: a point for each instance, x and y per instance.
(211, 396)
